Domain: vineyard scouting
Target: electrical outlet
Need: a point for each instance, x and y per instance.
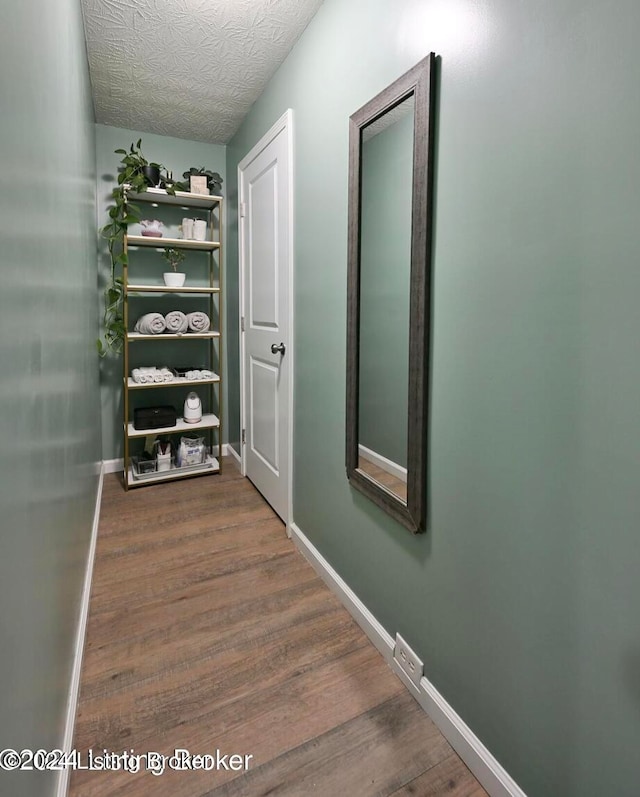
(408, 660)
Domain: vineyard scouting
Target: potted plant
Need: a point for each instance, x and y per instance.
(122, 213)
(174, 278)
(214, 180)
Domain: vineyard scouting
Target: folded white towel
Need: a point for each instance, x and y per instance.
(176, 322)
(150, 324)
(198, 322)
(151, 375)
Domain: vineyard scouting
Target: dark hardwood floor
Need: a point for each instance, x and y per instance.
(209, 631)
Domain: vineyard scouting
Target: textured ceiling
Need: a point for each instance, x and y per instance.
(187, 68)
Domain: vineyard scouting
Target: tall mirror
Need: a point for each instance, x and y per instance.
(390, 188)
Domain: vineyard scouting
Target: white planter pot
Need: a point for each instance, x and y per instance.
(174, 279)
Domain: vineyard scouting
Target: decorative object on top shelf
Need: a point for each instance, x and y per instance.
(152, 228)
(198, 184)
(213, 181)
(122, 213)
(174, 278)
(167, 181)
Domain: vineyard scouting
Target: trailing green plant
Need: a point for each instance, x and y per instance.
(173, 257)
(122, 213)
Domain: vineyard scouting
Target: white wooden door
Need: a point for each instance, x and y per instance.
(265, 232)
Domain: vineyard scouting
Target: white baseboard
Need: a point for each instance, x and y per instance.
(387, 465)
(62, 786)
(116, 465)
(372, 628)
(113, 465)
(229, 451)
(492, 776)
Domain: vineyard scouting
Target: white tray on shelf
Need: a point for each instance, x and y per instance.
(211, 463)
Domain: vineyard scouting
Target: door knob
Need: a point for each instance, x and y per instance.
(275, 348)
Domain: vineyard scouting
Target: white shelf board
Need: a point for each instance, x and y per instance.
(132, 336)
(213, 466)
(174, 243)
(179, 381)
(209, 421)
(131, 288)
(182, 198)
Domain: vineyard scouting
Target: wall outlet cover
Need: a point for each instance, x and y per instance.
(408, 660)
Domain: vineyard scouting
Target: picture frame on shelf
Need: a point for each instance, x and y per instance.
(198, 184)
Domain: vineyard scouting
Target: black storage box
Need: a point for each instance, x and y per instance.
(154, 417)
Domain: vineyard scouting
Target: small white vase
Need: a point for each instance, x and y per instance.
(200, 229)
(174, 279)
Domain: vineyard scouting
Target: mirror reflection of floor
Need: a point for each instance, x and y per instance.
(383, 477)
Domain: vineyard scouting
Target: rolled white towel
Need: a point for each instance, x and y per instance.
(176, 322)
(206, 374)
(150, 324)
(167, 375)
(137, 376)
(158, 377)
(198, 322)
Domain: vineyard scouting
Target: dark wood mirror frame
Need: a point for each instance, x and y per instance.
(418, 82)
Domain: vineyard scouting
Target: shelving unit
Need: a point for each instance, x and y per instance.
(146, 292)
(132, 288)
(179, 381)
(133, 336)
(178, 243)
(209, 421)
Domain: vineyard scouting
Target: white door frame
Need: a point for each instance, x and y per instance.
(285, 122)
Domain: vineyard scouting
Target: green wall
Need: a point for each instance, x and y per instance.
(522, 597)
(385, 267)
(49, 399)
(177, 155)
